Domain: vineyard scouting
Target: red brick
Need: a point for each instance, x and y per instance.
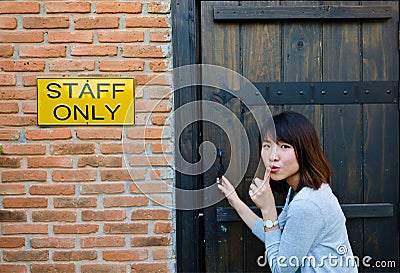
(94, 50)
(21, 36)
(150, 187)
(67, 7)
(12, 242)
(29, 107)
(155, 240)
(159, 148)
(72, 148)
(141, 79)
(157, 161)
(70, 37)
(48, 134)
(97, 22)
(147, 22)
(75, 202)
(123, 174)
(8, 134)
(24, 175)
(8, 23)
(50, 162)
(149, 267)
(10, 7)
(75, 255)
(125, 201)
(103, 215)
(161, 253)
(160, 36)
(118, 7)
(53, 51)
(100, 133)
(10, 162)
(103, 188)
(6, 51)
(25, 202)
(17, 93)
(54, 216)
(30, 80)
(120, 36)
(125, 255)
(103, 268)
(151, 214)
(9, 229)
(25, 255)
(147, 51)
(52, 189)
(45, 22)
(52, 242)
(159, 66)
(161, 199)
(125, 228)
(52, 268)
(161, 227)
(12, 268)
(103, 241)
(99, 161)
(12, 189)
(75, 228)
(74, 175)
(158, 119)
(7, 79)
(158, 7)
(125, 148)
(22, 66)
(71, 65)
(145, 133)
(121, 66)
(13, 216)
(18, 120)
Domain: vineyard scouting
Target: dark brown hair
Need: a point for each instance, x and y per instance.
(295, 129)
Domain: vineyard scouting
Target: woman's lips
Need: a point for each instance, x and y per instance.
(274, 169)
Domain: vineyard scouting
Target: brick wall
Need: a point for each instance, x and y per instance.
(67, 203)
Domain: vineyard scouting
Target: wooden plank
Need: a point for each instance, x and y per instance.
(301, 58)
(260, 51)
(381, 139)
(326, 12)
(220, 46)
(184, 40)
(342, 123)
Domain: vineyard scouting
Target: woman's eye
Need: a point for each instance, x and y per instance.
(266, 146)
(286, 146)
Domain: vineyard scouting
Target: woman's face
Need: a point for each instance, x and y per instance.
(280, 160)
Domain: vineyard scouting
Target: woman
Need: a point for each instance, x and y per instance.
(310, 233)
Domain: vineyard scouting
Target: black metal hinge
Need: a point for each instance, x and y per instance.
(372, 92)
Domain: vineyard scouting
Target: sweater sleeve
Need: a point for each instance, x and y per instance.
(285, 249)
(258, 229)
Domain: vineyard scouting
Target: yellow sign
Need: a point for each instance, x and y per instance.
(86, 101)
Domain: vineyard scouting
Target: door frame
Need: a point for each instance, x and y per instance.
(186, 51)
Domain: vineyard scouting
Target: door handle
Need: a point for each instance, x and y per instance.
(220, 167)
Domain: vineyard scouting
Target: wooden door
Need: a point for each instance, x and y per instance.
(301, 44)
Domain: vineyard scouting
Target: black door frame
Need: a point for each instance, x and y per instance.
(185, 43)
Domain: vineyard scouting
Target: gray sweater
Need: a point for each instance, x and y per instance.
(312, 235)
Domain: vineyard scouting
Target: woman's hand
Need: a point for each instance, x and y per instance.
(261, 194)
(228, 190)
